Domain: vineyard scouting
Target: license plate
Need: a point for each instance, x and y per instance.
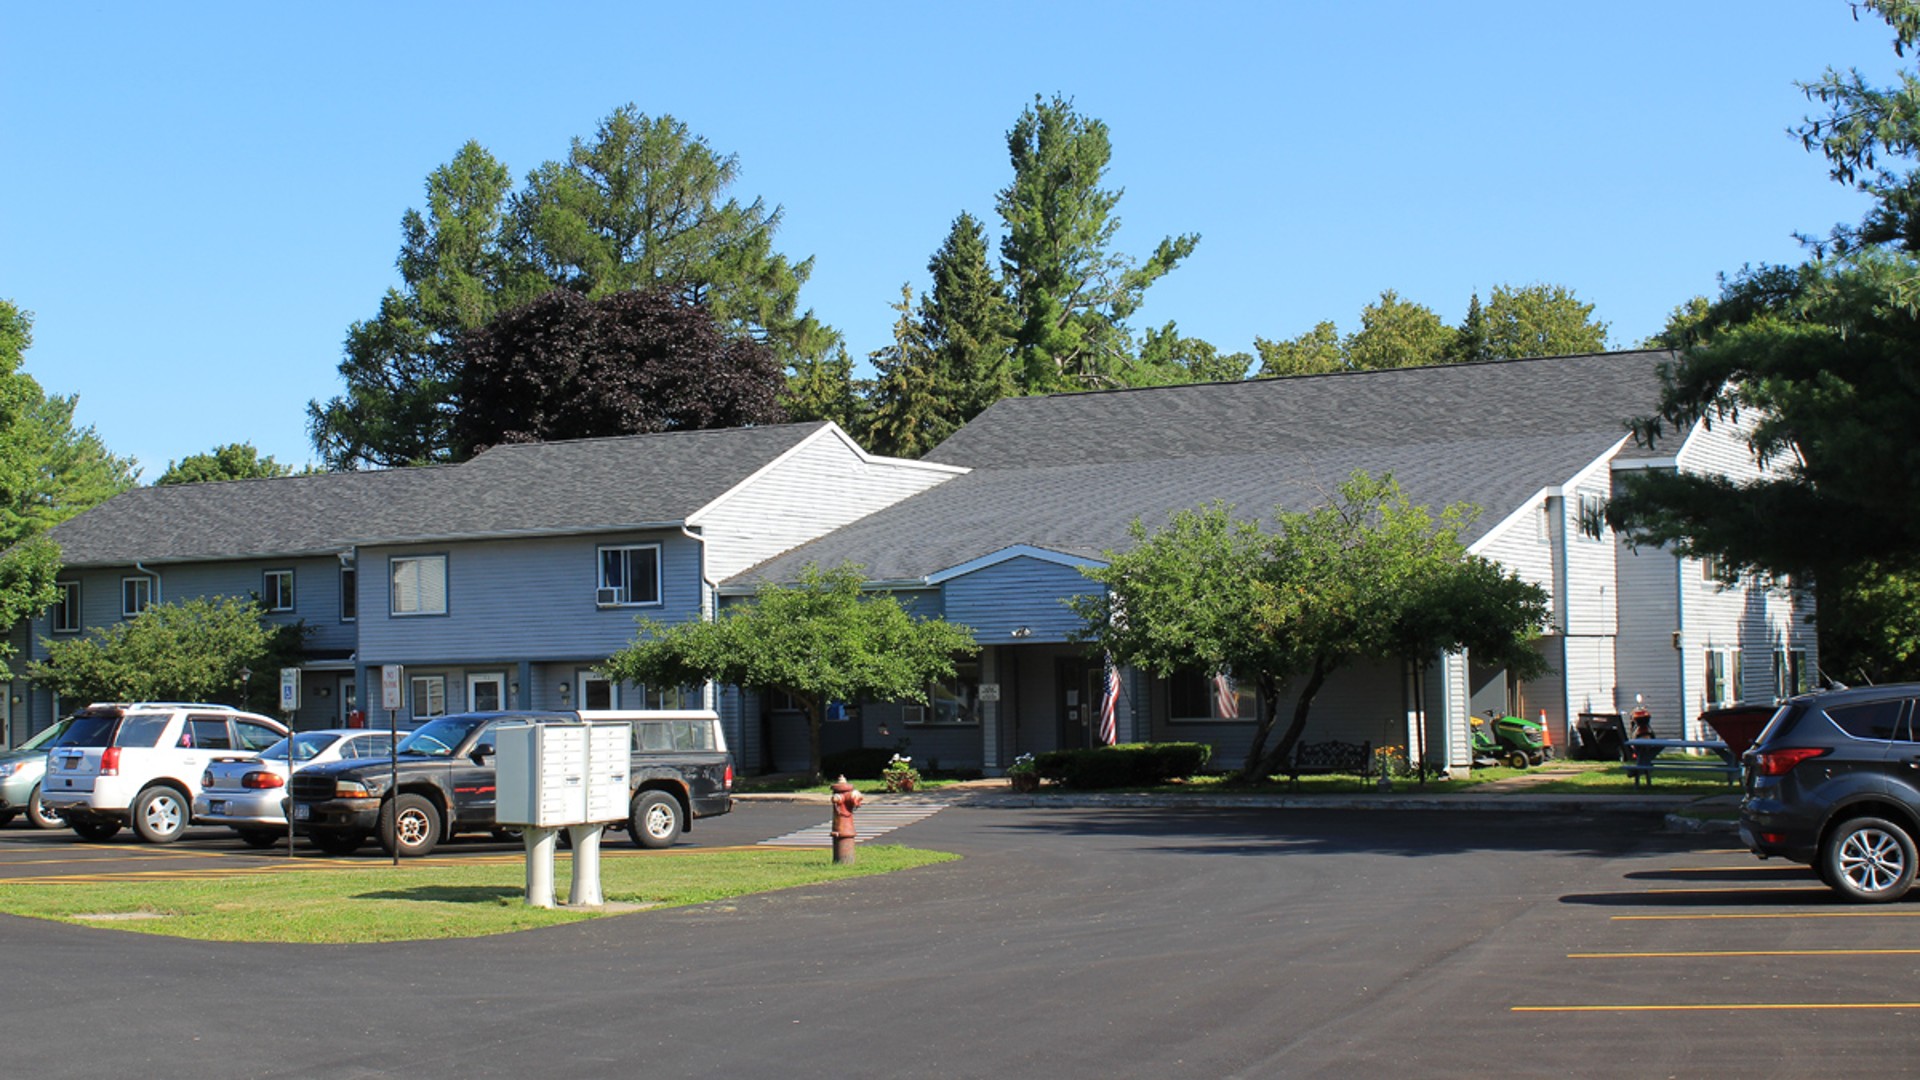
(301, 811)
(218, 806)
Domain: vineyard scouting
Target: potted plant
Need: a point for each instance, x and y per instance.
(900, 775)
(1024, 773)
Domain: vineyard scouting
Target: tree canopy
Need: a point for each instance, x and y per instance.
(1817, 366)
(643, 205)
(1071, 292)
(50, 470)
(1516, 322)
(190, 650)
(1369, 574)
(566, 367)
(820, 640)
(234, 461)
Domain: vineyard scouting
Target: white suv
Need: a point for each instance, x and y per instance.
(141, 763)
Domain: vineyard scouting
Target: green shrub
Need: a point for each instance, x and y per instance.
(1126, 765)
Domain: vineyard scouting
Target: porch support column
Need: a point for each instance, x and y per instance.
(990, 712)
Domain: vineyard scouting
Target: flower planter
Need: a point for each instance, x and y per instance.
(1024, 781)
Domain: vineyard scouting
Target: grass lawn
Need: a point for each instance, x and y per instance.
(789, 784)
(1553, 778)
(315, 901)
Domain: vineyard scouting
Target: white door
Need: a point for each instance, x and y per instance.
(486, 693)
(594, 692)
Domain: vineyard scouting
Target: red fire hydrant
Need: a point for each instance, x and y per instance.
(845, 800)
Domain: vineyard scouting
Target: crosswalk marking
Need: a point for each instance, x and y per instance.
(873, 819)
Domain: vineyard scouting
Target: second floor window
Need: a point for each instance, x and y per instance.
(276, 590)
(136, 595)
(349, 595)
(419, 585)
(629, 575)
(65, 615)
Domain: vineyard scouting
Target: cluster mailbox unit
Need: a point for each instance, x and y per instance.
(558, 775)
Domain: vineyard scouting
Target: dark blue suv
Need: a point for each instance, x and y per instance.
(1834, 781)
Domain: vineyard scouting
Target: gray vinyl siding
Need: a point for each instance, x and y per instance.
(1020, 593)
(1523, 545)
(529, 599)
(821, 486)
(1745, 615)
(1646, 662)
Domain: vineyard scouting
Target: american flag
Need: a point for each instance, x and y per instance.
(1109, 704)
(1226, 698)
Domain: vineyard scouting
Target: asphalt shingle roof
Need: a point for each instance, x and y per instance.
(576, 486)
(1070, 472)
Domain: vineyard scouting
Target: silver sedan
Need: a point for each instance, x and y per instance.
(249, 794)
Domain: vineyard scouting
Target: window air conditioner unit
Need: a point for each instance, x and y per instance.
(607, 597)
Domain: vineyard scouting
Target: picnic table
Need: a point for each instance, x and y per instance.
(1716, 760)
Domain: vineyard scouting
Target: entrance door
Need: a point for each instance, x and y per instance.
(486, 693)
(1078, 684)
(594, 692)
(349, 697)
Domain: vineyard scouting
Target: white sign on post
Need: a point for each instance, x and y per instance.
(289, 689)
(390, 687)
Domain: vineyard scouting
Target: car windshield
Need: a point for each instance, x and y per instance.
(46, 738)
(306, 746)
(438, 738)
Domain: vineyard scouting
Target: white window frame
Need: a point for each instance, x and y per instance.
(274, 598)
(1726, 689)
(394, 589)
(1592, 516)
(583, 679)
(136, 595)
(64, 616)
(349, 594)
(621, 595)
(434, 689)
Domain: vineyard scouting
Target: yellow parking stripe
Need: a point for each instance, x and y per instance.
(1742, 952)
(1747, 1007)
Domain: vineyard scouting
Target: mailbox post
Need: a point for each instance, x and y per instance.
(562, 775)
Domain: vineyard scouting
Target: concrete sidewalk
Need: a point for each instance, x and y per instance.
(1684, 812)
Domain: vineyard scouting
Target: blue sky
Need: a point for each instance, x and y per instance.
(197, 200)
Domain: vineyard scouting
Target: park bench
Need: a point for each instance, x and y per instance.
(1718, 761)
(1332, 756)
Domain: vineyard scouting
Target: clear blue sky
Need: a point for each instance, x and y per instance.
(196, 200)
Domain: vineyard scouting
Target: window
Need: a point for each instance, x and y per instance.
(1710, 568)
(209, 734)
(136, 595)
(65, 614)
(256, 736)
(349, 594)
(1593, 516)
(629, 575)
(276, 590)
(596, 692)
(419, 585)
(955, 700)
(429, 696)
(669, 697)
(1872, 720)
(1723, 676)
(1195, 695)
(1789, 673)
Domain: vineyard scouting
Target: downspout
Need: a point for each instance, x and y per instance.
(709, 590)
(140, 566)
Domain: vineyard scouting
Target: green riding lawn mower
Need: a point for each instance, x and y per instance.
(1509, 740)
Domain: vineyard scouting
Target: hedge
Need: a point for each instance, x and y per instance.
(1126, 765)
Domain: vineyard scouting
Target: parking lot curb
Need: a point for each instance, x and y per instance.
(1667, 805)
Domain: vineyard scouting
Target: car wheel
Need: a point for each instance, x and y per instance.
(95, 830)
(1869, 859)
(655, 820)
(409, 824)
(39, 815)
(338, 843)
(160, 815)
(259, 838)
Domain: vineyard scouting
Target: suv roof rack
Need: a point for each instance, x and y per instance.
(162, 705)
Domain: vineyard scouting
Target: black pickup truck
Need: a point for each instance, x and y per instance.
(681, 771)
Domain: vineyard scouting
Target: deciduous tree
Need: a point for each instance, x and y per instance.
(566, 367)
(190, 650)
(820, 640)
(234, 461)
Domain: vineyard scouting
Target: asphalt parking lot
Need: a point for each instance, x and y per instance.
(1065, 943)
